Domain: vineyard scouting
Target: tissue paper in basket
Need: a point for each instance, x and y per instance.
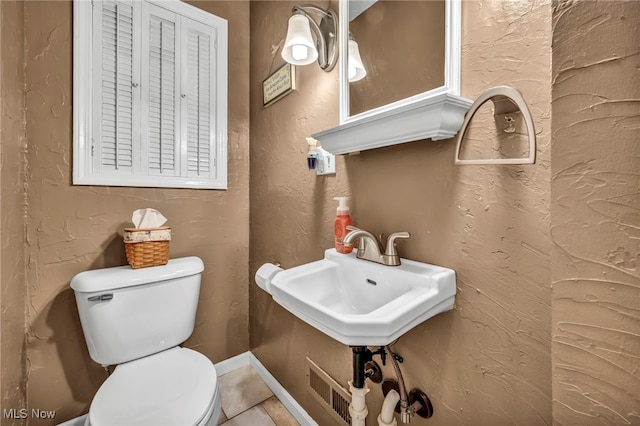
(148, 243)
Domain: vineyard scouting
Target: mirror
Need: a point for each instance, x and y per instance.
(389, 110)
(402, 47)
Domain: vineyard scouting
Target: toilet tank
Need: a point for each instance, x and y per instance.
(131, 313)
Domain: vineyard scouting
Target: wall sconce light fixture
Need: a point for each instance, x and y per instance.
(299, 47)
(356, 67)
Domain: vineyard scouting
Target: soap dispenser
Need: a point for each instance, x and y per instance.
(321, 161)
(343, 219)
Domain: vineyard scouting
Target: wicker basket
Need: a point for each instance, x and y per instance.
(147, 247)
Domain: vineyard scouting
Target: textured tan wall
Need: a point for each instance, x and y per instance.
(12, 195)
(487, 362)
(595, 226)
(291, 209)
(75, 228)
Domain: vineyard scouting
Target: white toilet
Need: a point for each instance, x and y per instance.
(136, 318)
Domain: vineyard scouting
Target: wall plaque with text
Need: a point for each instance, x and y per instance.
(279, 84)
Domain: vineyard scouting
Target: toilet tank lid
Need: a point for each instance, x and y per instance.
(125, 276)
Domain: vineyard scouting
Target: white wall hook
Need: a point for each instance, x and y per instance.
(505, 100)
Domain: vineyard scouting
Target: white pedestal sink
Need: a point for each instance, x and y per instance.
(357, 302)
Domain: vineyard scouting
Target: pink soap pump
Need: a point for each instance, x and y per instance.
(343, 219)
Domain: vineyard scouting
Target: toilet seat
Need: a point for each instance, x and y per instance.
(174, 387)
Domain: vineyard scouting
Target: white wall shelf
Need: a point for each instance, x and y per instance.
(436, 117)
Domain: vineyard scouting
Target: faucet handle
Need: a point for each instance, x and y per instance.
(352, 228)
(391, 242)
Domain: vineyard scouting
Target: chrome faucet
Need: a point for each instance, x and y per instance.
(369, 248)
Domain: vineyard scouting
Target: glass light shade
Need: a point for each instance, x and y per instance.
(356, 67)
(299, 48)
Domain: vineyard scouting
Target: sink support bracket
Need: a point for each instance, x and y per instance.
(382, 351)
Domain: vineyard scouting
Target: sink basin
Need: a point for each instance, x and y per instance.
(358, 302)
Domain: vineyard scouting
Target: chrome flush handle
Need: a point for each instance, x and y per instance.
(101, 297)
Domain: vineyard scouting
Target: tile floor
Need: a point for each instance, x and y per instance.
(248, 401)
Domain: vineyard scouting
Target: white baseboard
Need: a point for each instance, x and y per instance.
(238, 361)
(281, 393)
(78, 421)
(247, 358)
(233, 363)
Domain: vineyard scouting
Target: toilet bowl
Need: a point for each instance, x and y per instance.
(135, 319)
(175, 387)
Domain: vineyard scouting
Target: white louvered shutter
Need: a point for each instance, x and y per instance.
(161, 95)
(199, 114)
(150, 95)
(115, 132)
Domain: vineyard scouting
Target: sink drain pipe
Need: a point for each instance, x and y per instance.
(386, 417)
(358, 407)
